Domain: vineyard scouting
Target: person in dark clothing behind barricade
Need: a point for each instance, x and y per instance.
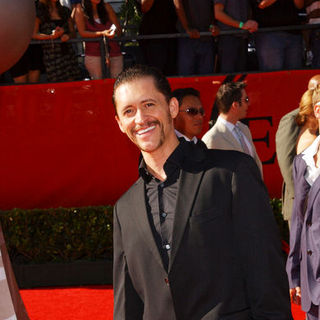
(196, 55)
(233, 49)
(313, 36)
(29, 66)
(281, 49)
(159, 17)
(53, 21)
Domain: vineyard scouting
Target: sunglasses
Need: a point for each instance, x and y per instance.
(193, 111)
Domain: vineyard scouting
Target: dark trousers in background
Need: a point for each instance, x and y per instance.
(232, 54)
(315, 48)
(279, 50)
(161, 54)
(196, 56)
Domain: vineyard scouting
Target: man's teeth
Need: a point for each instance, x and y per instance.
(146, 130)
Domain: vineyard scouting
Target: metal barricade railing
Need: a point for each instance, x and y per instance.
(134, 38)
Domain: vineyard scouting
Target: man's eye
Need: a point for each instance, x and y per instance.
(128, 112)
(150, 104)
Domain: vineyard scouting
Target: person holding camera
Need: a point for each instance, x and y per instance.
(96, 19)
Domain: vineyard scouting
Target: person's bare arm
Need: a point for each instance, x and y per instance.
(81, 26)
(66, 36)
(193, 33)
(146, 5)
(42, 36)
(266, 3)
(299, 3)
(113, 18)
(223, 17)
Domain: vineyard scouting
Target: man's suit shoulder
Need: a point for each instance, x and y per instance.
(227, 159)
(288, 128)
(289, 116)
(244, 127)
(131, 192)
(211, 137)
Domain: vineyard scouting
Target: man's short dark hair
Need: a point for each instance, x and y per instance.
(183, 92)
(228, 93)
(142, 71)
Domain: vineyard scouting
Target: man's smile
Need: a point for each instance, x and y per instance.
(143, 131)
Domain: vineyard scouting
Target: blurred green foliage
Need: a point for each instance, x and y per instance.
(56, 235)
(276, 205)
(70, 234)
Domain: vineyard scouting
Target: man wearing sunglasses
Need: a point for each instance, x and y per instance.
(229, 133)
(189, 121)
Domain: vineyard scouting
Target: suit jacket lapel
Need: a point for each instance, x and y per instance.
(314, 190)
(141, 218)
(188, 186)
(246, 132)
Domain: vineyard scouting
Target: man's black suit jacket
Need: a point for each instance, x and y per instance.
(226, 260)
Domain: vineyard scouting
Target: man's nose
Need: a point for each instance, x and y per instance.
(140, 116)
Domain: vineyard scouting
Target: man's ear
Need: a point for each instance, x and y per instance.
(119, 124)
(235, 106)
(173, 107)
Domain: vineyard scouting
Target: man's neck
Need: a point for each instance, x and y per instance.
(229, 118)
(155, 160)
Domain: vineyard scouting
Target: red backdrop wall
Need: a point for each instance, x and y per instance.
(60, 144)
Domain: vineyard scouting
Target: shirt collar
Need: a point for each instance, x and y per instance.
(180, 135)
(173, 163)
(228, 124)
(308, 154)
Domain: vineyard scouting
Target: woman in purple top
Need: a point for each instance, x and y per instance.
(303, 264)
(95, 19)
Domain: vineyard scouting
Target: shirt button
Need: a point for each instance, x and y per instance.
(166, 280)
(167, 246)
(161, 185)
(163, 214)
(309, 252)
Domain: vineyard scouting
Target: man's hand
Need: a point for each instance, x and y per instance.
(214, 30)
(65, 37)
(57, 33)
(109, 33)
(250, 25)
(295, 295)
(193, 33)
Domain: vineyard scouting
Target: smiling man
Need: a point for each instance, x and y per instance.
(194, 237)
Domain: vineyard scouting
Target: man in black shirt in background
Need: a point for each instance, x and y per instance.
(280, 49)
(158, 17)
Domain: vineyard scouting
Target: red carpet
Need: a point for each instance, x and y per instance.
(81, 303)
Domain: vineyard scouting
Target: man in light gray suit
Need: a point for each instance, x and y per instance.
(229, 133)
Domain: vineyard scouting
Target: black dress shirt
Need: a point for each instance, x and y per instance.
(161, 198)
